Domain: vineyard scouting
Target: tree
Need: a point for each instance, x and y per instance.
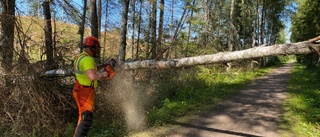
(133, 26)
(94, 19)
(48, 35)
(232, 29)
(7, 34)
(83, 21)
(123, 33)
(160, 29)
(306, 24)
(139, 30)
(153, 29)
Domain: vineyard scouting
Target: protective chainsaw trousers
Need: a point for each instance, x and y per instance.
(84, 97)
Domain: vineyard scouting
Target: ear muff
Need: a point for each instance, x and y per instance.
(93, 48)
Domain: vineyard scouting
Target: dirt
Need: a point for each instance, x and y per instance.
(255, 111)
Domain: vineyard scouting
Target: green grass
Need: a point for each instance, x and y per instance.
(302, 110)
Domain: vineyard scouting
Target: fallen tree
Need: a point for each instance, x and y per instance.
(303, 47)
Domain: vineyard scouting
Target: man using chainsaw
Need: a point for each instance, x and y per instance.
(86, 82)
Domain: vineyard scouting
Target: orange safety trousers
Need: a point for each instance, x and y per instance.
(84, 97)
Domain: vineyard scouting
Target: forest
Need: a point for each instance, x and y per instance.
(147, 38)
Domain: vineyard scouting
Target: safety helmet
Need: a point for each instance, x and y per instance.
(92, 43)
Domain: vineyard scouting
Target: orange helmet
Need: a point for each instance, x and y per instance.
(91, 42)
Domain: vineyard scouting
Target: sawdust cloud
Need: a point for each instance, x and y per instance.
(133, 98)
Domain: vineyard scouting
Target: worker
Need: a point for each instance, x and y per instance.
(86, 82)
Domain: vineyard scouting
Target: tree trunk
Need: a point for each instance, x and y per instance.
(304, 47)
(133, 27)
(48, 35)
(83, 21)
(94, 24)
(7, 20)
(223, 57)
(105, 32)
(123, 33)
(148, 31)
(262, 24)
(231, 27)
(139, 31)
(189, 29)
(154, 30)
(160, 30)
(99, 17)
(94, 19)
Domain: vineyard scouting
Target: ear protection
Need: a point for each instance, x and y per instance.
(93, 48)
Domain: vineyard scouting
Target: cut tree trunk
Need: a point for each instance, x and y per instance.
(305, 47)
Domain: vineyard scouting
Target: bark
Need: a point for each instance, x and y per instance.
(94, 19)
(94, 24)
(48, 35)
(7, 21)
(123, 33)
(154, 30)
(147, 39)
(160, 29)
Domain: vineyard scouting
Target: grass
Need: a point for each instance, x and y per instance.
(302, 110)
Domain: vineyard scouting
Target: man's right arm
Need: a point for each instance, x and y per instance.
(94, 75)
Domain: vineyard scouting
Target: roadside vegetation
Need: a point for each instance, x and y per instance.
(302, 109)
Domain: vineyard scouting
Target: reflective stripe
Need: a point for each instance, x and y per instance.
(76, 65)
(77, 70)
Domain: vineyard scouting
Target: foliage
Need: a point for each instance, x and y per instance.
(306, 25)
(302, 110)
(306, 22)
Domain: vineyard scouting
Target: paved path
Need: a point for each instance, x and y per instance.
(255, 112)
